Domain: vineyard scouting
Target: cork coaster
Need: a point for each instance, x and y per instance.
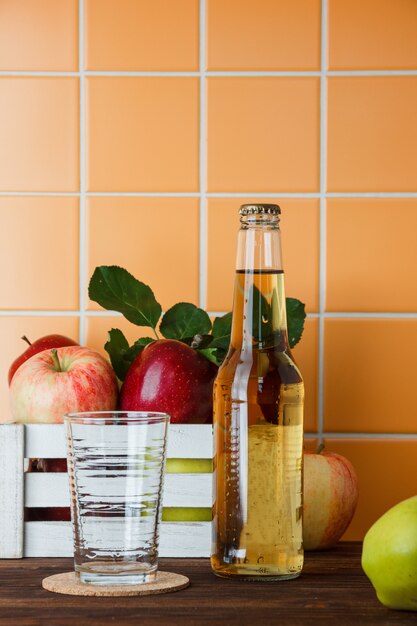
(69, 584)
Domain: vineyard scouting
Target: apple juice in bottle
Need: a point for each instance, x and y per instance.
(258, 418)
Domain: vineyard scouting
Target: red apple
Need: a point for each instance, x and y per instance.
(51, 465)
(44, 343)
(171, 377)
(58, 381)
(48, 514)
(330, 498)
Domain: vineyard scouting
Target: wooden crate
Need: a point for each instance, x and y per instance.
(19, 489)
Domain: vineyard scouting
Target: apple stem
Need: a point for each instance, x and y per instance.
(155, 333)
(197, 339)
(320, 448)
(27, 340)
(55, 360)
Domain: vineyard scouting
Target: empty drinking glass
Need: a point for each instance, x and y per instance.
(116, 466)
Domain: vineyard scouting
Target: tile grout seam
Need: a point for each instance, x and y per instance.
(219, 74)
(82, 210)
(202, 275)
(322, 227)
(345, 315)
(218, 194)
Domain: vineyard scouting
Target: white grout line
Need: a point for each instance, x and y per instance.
(353, 73)
(372, 194)
(233, 73)
(323, 183)
(83, 241)
(40, 193)
(39, 313)
(370, 315)
(142, 74)
(103, 313)
(146, 194)
(203, 160)
(218, 194)
(257, 194)
(262, 73)
(38, 74)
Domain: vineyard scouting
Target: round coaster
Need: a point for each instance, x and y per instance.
(69, 584)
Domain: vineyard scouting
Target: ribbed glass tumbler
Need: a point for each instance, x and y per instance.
(116, 466)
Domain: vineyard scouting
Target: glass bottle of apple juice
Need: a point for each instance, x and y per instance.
(258, 418)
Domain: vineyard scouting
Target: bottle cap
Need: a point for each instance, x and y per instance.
(259, 209)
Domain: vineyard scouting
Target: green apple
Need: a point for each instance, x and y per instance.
(186, 514)
(189, 466)
(389, 556)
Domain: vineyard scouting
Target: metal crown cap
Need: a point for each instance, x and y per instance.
(259, 209)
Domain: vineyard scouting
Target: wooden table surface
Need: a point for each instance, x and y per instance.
(332, 591)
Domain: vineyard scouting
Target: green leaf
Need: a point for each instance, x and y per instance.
(221, 342)
(115, 347)
(212, 355)
(121, 355)
(222, 328)
(295, 320)
(221, 355)
(184, 320)
(132, 352)
(117, 290)
(261, 315)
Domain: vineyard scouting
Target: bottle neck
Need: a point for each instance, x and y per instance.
(259, 312)
(259, 244)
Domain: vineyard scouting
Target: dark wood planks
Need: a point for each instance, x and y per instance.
(333, 591)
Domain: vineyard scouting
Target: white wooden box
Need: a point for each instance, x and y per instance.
(19, 489)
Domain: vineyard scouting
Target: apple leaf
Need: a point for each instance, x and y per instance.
(295, 320)
(261, 315)
(121, 354)
(184, 320)
(115, 289)
(212, 355)
(217, 349)
(132, 352)
(222, 328)
(115, 347)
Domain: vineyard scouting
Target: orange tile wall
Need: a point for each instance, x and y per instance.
(130, 133)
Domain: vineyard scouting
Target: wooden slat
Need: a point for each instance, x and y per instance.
(190, 441)
(180, 539)
(190, 490)
(11, 491)
(45, 441)
(184, 539)
(185, 441)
